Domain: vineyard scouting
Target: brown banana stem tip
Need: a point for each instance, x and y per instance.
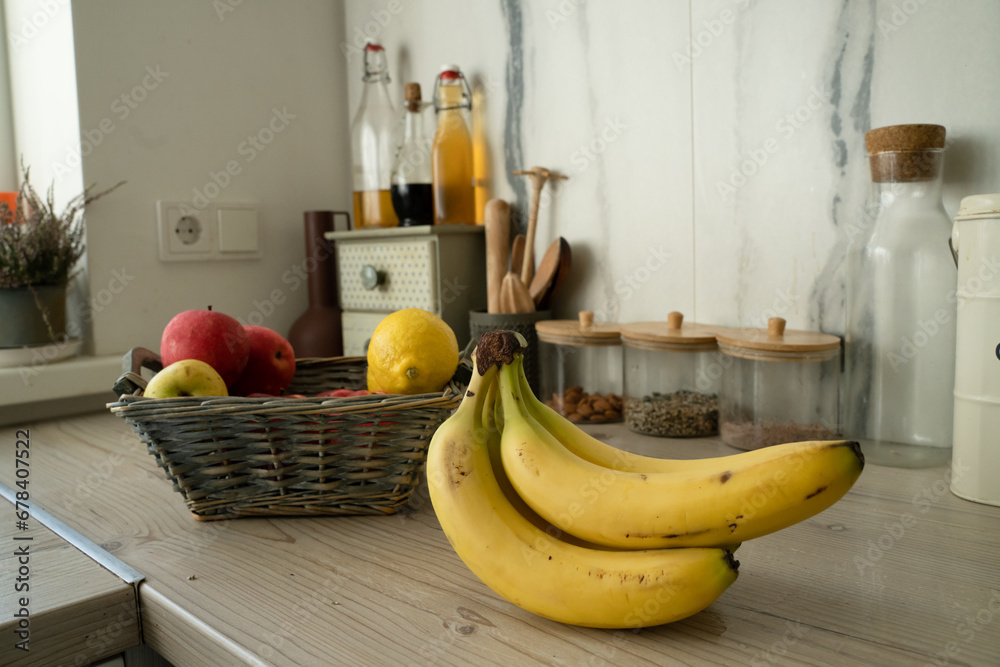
(497, 348)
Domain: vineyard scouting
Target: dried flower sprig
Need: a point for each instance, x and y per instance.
(37, 245)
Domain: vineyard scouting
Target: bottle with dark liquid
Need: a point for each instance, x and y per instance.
(412, 192)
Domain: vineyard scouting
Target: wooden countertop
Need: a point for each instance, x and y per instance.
(76, 610)
(899, 572)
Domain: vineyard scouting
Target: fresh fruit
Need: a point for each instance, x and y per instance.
(542, 573)
(559, 524)
(372, 384)
(210, 336)
(188, 377)
(270, 365)
(738, 498)
(343, 393)
(412, 351)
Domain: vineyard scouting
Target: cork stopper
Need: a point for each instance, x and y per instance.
(586, 320)
(776, 327)
(905, 153)
(411, 92)
(675, 320)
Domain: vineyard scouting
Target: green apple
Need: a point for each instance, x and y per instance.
(187, 377)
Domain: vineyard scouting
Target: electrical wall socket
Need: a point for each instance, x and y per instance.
(184, 233)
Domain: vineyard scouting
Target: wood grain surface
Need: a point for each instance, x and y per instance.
(78, 612)
(899, 572)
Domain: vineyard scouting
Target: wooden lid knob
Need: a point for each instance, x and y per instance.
(776, 327)
(675, 320)
(586, 319)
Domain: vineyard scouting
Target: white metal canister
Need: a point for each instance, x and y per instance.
(976, 449)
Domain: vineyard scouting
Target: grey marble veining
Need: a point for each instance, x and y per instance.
(513, 155)
(853, 46)
(715, 149)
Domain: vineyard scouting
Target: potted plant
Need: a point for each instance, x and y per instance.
(39, 250)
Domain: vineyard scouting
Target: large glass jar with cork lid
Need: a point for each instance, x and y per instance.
(901, 306)
(672, 375)
(778, 386)
(580, 364)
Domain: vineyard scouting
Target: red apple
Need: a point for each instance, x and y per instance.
(210, 336)
(271, 365)
(335, 393)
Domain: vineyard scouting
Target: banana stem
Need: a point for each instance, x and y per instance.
(498, 348)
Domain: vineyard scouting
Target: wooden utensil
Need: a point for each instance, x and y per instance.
(517, 254)
(497, 229)
(514, 296)
(562, 274)
(539, 175)
(548, 267)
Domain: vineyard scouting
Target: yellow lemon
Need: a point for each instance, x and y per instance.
(411, 351)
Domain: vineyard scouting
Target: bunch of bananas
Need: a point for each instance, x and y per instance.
(578, 531)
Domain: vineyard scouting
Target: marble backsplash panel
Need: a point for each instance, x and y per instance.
(715, 150)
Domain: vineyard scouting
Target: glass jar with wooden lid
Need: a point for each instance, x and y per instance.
(778, 385)
(672, 375)
(580, 363)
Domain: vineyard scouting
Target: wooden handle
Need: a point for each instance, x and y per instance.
(675, 320)
(528, 266)
(539, 175)
(497, 230)
(517, 254)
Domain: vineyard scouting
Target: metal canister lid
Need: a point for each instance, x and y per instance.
(977, 205)
(672, 333)
(776, 341)
(583, 331)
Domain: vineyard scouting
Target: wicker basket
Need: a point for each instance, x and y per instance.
(232, 456)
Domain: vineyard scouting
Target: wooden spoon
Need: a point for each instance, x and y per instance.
(562, 274)
(517, 253)
(539, 176)
(514, 296)
(497, 230)
(545, 274)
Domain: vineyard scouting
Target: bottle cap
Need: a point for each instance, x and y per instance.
(411, 92)
(904, 138)
(450, 72)
(372, 45)
(905, 153)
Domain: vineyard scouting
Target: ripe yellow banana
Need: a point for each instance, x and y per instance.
(589, 448)
(737, 499)
(540, 573)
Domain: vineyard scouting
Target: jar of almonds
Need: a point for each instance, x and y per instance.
(580, 366)
(672, 375)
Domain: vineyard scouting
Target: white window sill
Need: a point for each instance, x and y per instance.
(65, 387)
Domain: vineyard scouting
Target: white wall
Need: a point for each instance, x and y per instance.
(673, 97)
(197, 82)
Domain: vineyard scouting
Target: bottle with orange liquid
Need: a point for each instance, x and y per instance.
(372, 145)
(451, 152)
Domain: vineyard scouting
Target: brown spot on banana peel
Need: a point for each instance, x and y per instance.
(725, 477)
(643, 536)
(816, 492)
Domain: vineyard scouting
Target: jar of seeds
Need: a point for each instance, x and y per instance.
(778, 386)
(672, 374)
(580, 365)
